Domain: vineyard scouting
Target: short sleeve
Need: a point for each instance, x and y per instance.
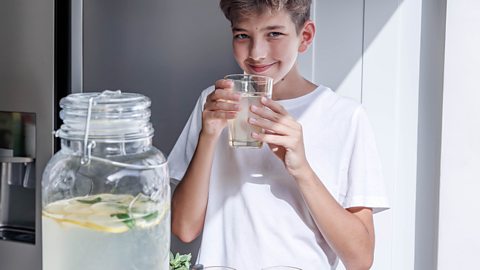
(366, 186)
(182, 152)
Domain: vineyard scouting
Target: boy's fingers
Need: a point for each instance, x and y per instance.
(274, 106)
(221, 106)
(268, 138)
(223, 94)
(221, 114)
(223, 84)
(273, 127)
(265, 113)
(284, 119)
(224, 115)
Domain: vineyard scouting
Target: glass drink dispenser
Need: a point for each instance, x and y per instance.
(106, 193)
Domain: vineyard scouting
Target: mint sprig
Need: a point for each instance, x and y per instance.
(125, 218)
(93, 201)
(180, 262)
(151, 216)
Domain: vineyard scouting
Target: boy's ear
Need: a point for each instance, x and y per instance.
(307, 34)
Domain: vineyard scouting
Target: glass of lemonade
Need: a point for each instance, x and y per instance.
(106, 193)
(252, 88)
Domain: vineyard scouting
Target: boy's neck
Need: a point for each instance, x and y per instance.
(293, 85)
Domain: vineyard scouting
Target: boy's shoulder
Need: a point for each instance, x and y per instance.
(338, 102)
(335, 108)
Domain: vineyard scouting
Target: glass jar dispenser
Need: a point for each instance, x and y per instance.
(106, 193)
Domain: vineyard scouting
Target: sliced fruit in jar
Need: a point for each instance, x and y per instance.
(107, 212)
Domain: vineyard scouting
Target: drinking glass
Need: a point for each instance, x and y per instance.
(252, 88)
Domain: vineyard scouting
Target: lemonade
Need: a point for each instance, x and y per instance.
(107, 232)
(239, 129)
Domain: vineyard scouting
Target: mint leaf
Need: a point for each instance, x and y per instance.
(180, 262)
(185, 258)
(151, 216)
(125, 218)
(93, 201)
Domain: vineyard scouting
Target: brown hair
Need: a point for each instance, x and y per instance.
(235, 10)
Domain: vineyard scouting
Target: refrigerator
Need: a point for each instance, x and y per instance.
(34, 64)
(51, 48)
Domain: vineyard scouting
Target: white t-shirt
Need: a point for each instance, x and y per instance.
(256, 216)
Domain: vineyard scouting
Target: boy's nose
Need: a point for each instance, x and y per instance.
(258, 50)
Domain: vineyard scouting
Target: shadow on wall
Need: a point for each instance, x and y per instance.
(342, 37)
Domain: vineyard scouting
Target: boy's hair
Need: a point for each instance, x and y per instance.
(235, 10)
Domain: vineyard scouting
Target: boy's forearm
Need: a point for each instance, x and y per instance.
(349, 236)
(189, 201)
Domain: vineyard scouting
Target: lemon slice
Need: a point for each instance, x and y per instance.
(107, 212)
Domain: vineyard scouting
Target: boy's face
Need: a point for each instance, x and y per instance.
(266, 44)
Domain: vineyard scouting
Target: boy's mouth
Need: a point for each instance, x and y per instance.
(260, 68)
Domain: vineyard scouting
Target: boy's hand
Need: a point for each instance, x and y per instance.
(283, 134)
(221, 105)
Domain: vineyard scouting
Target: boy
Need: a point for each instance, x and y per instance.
(306, 199)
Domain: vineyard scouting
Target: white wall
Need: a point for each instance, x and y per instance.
(385, 37)
(380, 97)
(429, 132)
(459, 217)
(429, 152)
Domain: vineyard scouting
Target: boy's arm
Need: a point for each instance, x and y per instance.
(349, 232)
(189, 201)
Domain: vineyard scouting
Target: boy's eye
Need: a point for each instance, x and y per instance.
(274, 34)
(240, 36)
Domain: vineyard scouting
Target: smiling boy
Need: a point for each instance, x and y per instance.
(307, 199)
